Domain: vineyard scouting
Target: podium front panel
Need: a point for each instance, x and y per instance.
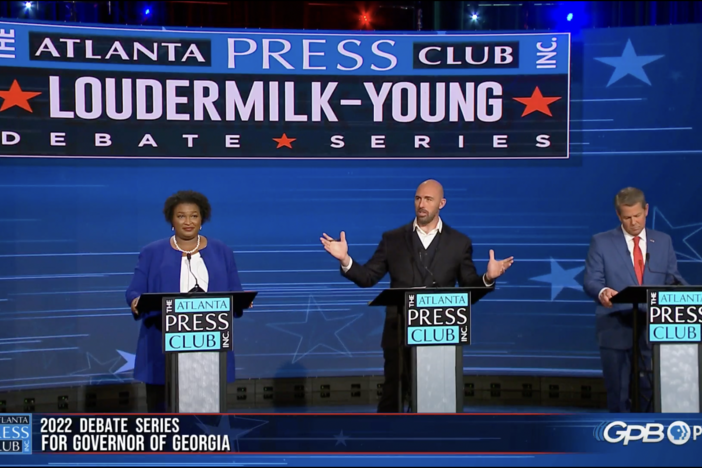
(199, 382)
(438, 379)
(677, 373)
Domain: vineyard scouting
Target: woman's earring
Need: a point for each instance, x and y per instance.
(172, 228)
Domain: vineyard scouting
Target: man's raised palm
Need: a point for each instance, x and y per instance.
(338, 249)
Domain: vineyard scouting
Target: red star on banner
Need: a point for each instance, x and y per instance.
(16, 97)
(537, 102)
(284, 141)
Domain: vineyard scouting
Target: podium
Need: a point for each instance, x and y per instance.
(674, 334)
(197, 333)
(436, 324)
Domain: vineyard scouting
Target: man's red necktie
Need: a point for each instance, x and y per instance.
(638, 260)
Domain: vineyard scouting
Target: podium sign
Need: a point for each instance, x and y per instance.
(437, 318)
(675, 333)
(675, 316)
(197, 324)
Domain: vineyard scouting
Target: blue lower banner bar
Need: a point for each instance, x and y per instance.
(293, 438)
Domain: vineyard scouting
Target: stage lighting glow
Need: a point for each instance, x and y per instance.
(474, 17)
(569, 17)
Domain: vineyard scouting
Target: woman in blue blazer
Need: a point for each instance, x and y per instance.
(187, 261)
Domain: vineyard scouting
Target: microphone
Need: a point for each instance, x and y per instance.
(197, 287)
(421, 259)
(676, 281)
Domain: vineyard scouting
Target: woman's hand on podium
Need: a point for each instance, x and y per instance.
(134, 306)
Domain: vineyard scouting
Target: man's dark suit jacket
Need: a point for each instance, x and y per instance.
(452, 263)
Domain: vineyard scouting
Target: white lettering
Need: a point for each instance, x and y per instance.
(469, 55)
(398, 100)
(542, 141)
(47, 46)
(70, 51)
(274, 103)
(190, 139)
(378, 99)
(117, 49)
(111, 90)
(232, 141)
(95, 98)
(171, 49)
(378, 141)
(484, 102)
(202, 101)
(503, 55)
(337, 141)
(152, 54)
(267, 54)
(193, 51)
(231, 42)
(6, 138)
(89, 50)
(156, 99)
(342, 50)
(423, 55)
(320, 102)
(306, 53)
(425, 105)
(58, 139)
(449, 57)
(499, 141)
(466, 103)
(380, 53)
(254, 102)
(103, 139)
(421, 140)
(148, 140)
(172, 99)
(290, 115)
(55, 100)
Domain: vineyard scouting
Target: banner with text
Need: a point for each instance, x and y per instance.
(74, 91)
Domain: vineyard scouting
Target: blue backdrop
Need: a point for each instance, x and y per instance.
(70, 232)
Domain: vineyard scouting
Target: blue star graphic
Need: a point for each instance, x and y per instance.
(629, 64)
(560, 278)
(341, 438)
(129, 365)
(679, 234)
(241, 427)
(99, 371)
(316, 331)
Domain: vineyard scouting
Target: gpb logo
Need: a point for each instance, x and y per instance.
(678, 433)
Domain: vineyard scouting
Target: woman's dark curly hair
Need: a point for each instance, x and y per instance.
(187, 196)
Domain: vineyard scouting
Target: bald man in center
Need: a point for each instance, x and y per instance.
(423, 253)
